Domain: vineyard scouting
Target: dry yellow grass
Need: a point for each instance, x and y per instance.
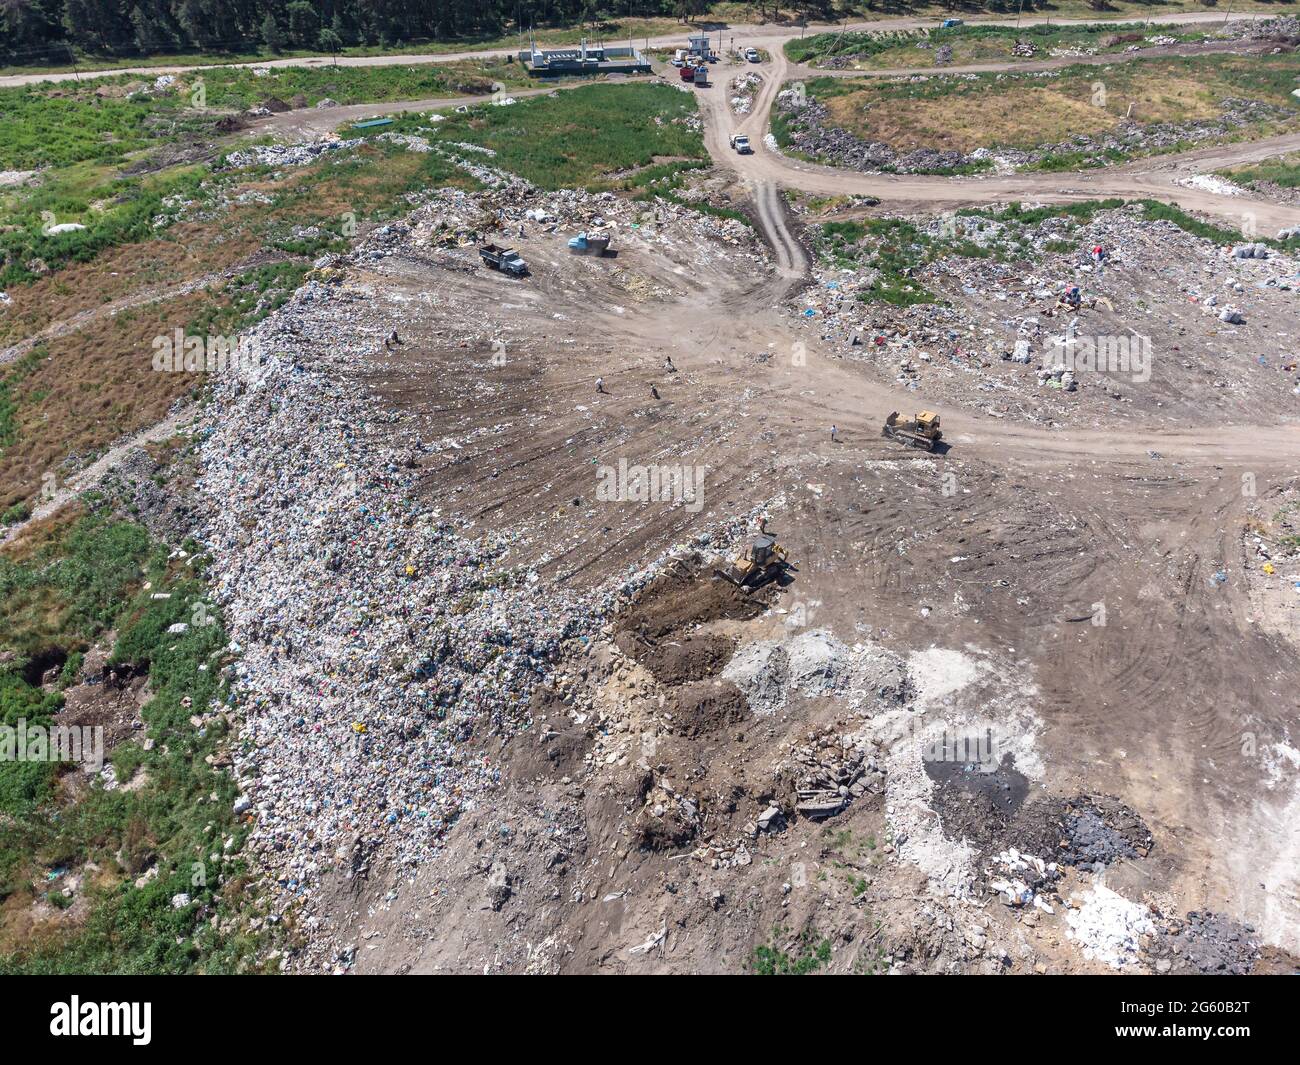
(1022, 115)
(964, 123)
(96, 385)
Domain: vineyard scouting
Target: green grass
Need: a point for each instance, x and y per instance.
(91, 579)
(109, 119)
(582, 137)
(115, 210)
(972, 43)
(811, 954)
(1283, 171)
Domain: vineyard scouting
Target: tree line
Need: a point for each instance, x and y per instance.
(35, 31)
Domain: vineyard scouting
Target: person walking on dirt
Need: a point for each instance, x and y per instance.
(600, 384)
(668, 364)
(654, 391)
(834, 435)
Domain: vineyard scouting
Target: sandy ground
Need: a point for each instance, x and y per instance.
(991, 563)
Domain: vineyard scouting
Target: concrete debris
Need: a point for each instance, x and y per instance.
(1108, 927)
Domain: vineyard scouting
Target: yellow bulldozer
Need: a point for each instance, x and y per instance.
(922, 431)
(761, 560)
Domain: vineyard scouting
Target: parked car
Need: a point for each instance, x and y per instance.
(752, 55)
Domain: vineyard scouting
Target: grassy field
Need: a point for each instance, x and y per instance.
(974, 44)
(1025, 111)
(581, 137)
(1283, 171)
(109, 119)
(72, 855)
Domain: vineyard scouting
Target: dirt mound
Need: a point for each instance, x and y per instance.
(672, 604)
(988, 809)
(1097, 831)
(678, 661)
(702, 707)
(553, 748)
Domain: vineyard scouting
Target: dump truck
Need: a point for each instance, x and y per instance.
(741, 144)
(687, 72)
(761, 560)
(922, 431)
(701, 76)
(587, 243)
(507, 260)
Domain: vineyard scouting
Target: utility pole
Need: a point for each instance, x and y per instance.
(1019, 10)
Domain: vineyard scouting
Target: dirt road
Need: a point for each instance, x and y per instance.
(769, 37)
(1156, 177)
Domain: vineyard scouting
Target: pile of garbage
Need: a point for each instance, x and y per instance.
(1285, 28)
(990, 324)
(743, 88)
(1023, 880)
(284, 154)
(374, 639)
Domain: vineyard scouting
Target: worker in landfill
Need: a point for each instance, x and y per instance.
(600, 384)
(834, 437)
(668, 364)
(654, 391)
(1099, 255)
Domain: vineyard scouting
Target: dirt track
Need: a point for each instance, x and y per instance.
(758, 36)
(1154, 178)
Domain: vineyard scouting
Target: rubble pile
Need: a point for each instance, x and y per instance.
(743, 88)
(830, 771)
(1108, 927)
(1204, 943)
(1099, 832)
(811, 134)
(989, 323)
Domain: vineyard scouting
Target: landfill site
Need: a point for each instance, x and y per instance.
(848, 557)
